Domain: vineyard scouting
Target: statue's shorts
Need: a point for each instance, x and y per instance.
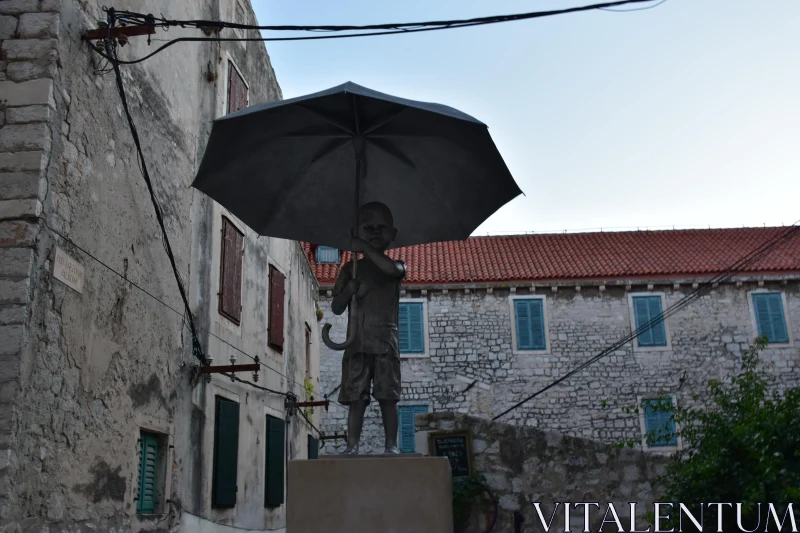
(359, 370)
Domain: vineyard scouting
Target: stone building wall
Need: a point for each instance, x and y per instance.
(523, 465)
(81, 373)
(470, 365)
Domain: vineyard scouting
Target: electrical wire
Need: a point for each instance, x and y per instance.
(162, 302)
(633, 9)
(707, 287)
(388, 29)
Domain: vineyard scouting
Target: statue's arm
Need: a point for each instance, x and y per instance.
(343, 290)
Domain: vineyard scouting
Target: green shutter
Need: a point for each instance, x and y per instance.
(770, 318)
(658, 423)
(148, 474)
(416, 328)
(523, 318)
(276, 438)
(403, 328)
(226, 453)
(407, 430)
(313, 448)
(407, 426)
(646, 309)
(529, 317)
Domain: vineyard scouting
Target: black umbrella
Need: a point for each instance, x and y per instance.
(299, 169)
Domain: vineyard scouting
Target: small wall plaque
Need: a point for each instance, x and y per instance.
(456, 446)
(68, 271)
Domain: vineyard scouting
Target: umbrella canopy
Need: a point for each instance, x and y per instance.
(289, 169)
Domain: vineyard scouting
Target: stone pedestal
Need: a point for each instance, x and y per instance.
(369, 494)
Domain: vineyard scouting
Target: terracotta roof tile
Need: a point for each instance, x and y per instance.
(582, 256)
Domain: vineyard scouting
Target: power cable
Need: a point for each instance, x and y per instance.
(197, 349)
(162, 302)
(391, 29)
(707, 287)
(633, 9)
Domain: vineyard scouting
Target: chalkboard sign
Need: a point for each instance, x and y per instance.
(456, 446)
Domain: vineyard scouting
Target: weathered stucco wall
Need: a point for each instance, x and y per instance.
(82, 373)
(524, 465)
(470, 365)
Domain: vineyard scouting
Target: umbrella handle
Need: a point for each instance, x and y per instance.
(326, 330)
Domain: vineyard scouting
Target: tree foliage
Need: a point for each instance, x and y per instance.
(742, 444)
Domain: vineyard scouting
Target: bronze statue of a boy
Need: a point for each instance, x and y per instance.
(374, 357)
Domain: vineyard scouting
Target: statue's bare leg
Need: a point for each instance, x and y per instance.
(355, 420)
(389, 415)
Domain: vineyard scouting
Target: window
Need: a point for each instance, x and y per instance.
(226, 453)
(645, 309)
(313, 448)
(770, 320)
(151, 475)
(407, 426)
(276, 297)
(237, 90)
(276, 437)
(327, 255)
(529, 324)
(230, 291)
(659, 426)
(411, 326)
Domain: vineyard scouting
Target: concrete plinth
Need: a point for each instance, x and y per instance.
(366, 494)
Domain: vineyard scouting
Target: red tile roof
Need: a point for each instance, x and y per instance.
(584, 256)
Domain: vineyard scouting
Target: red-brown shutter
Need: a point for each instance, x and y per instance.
(230, 297)
(277, 292)
(237, 90)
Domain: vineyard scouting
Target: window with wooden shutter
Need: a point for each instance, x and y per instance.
(770, 320)
(308, 351)
(237, 90)
(407, 428)
(646, 309)
(313, 448)
(529, 324)
(659, 424)
(276, 439)
(277, 292)
(411, 328)
(230, 290)
(147, 499)
(226, 453)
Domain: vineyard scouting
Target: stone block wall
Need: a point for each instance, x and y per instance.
(524, 465)
(470, 365)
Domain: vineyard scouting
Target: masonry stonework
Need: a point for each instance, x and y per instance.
(471, 366)
(82, 373)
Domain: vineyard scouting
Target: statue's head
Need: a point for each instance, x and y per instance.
(376, 225)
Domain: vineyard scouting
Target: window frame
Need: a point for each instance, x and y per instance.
(425, 330)
(515, 349)
(786, 316)
(632, 313)
(162, 449)
(643, 425)
(338, 256)
(277, 347)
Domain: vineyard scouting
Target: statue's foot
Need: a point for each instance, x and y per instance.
(391, 450)
(350, 450)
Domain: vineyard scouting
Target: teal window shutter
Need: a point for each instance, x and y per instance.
(313, 448)
(226, 453)
(276, 442)
(658, 423)
(327, 255)
(411, 326)
(529, 317)
(645, 309)
(148, 474)
(770, 318)
(407, 427)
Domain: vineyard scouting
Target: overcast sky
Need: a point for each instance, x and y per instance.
(684, 115)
